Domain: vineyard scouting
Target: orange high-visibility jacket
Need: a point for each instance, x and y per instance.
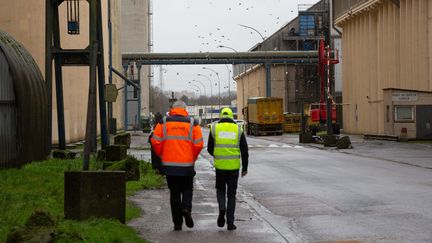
(178, 142)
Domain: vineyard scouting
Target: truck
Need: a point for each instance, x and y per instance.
(264, 116)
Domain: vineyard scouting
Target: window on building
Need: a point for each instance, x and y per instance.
(404, 113)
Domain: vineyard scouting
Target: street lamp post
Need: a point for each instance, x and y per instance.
(245, 26)
(222, 46)
(211, 93)
(197, 81)
(205, 92)
(229, 71)
(267, 64)
(195, 88)
(229, 81)
(217, 75)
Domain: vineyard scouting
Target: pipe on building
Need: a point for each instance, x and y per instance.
(220, 55)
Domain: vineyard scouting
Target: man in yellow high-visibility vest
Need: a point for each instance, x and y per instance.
(227, 144)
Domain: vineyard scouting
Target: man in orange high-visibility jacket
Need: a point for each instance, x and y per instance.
(178, 142)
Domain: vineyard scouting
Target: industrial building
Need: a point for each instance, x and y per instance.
(387, 70)
(136, 38)
(25, 21)
(295, 83)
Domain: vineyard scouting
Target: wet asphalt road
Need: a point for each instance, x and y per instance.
(327, 196)
(295, 193)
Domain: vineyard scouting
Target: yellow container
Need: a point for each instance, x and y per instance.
(292, 123)
(265, 111)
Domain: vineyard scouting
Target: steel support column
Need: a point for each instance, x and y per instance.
(91, 108)
(268, 79)
(329, 106)
(139, 66)
(110, 105)
(91, 56)
(101, 80)
(59, 83)
(49, 11)
(125, 67)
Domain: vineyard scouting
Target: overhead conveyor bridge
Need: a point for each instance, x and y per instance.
(257, 57)
(264, 57)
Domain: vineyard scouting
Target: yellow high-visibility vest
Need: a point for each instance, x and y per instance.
(226, 137)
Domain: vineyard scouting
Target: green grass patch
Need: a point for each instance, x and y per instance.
(40, 186)
(95, 230)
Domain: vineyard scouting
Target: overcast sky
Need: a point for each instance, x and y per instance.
(203, 25)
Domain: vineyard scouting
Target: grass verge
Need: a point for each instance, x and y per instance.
(40, 186)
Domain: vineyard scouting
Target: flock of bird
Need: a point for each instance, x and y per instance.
(217, 37)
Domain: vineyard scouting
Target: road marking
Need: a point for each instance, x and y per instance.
(274, 146)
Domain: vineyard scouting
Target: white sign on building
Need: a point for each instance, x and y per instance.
(404, 96)
(191, 110)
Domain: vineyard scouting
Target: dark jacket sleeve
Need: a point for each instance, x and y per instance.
(210, 144)
(244, 150)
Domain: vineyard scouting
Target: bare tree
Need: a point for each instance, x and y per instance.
(160, 101)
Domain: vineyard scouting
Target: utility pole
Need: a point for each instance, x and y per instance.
(161, 81)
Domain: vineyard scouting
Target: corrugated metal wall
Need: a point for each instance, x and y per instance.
(8, 145)
(384, 47)
(27, 117)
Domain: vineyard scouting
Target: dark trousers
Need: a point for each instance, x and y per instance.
(156, 162)
(226, 187)
(181, 188)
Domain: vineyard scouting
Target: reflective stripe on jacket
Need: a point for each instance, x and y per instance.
(178, 142)
(227, 145)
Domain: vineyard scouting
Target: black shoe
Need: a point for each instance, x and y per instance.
(188, 218)
(221, 218)
(177, 227)
(231, 227)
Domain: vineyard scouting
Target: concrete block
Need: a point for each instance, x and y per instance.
(95, 194)
(64, 154)
(329, 140)
(306, 138)
(115, 152)
(130, 165)
(344, 143)
(123, 139)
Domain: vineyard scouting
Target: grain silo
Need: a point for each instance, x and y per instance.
(387, 70)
